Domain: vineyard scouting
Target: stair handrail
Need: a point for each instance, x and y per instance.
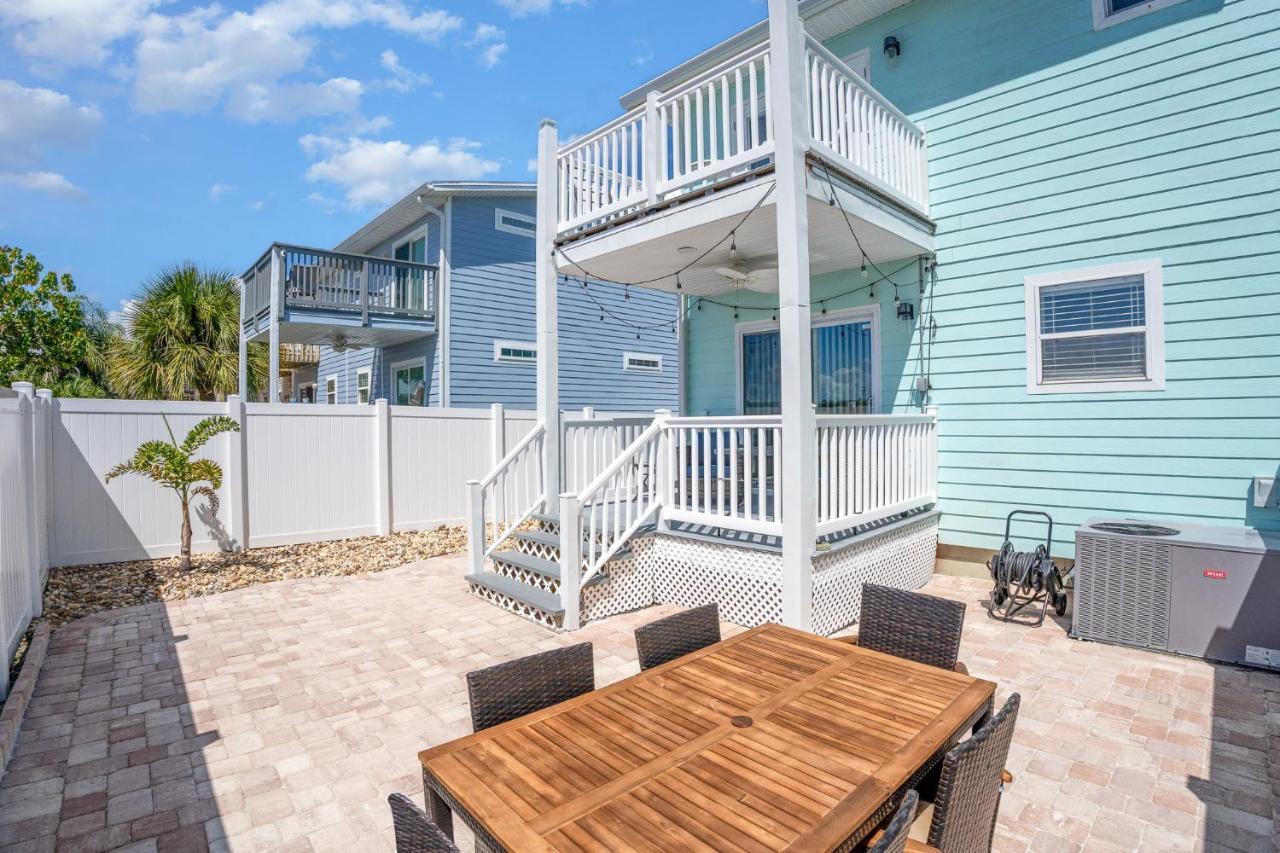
(494, 490)
(609, 524)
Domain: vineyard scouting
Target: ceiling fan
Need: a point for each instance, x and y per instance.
(759, 274)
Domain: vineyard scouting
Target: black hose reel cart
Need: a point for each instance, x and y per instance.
(1026, 578)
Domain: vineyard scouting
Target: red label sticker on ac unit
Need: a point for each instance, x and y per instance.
(1215, 574)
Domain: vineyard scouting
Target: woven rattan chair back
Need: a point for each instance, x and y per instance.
(894, 837)
(911, 625)
(415, 833)
(669, 638)
(964, 813)
(522, 686)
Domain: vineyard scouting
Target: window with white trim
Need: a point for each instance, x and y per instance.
(515, 352)
(1098, 329)
(860, 62)
(514, 223)
(331, 389)
(1108, 13)
(641, 362)
(364, 385)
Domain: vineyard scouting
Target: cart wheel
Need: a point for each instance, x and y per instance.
(997, 596)
(1060, 604)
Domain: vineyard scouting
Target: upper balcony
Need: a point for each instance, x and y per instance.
(713, 133)
(336, 298)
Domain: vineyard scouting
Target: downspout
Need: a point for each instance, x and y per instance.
(444, 218)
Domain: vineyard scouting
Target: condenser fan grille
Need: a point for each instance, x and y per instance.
(1134, 528)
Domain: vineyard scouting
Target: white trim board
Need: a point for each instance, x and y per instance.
(1152, 273)
(831, 318)
(499, 345)
(499, 214)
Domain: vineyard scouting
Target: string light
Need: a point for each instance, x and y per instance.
(733, 245)
(864, 266)
(679, 286)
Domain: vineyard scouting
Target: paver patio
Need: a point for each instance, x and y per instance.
(280, 717)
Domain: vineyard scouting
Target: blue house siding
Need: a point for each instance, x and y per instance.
(1054, 147)
(492, 298)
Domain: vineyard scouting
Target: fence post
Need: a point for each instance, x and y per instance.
(475, 526)
(570, 560)
(237, 482)
(497, 434)
(662, 477)
(43, 473)
(27, 474)
(382, 443)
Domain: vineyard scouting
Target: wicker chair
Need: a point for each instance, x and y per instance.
(670, 638)
(895, 835)
(415, 833)
(910, 625)
(522, 686)
(973, 777)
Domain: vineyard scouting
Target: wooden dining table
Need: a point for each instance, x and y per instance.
(774, 739)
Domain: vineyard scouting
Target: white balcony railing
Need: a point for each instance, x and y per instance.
(721, 123)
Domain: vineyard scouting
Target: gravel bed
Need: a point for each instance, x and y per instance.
(76, 591)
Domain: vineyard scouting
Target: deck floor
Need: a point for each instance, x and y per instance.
(280, 717)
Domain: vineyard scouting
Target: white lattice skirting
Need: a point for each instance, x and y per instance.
(901, 555)
(747, 582)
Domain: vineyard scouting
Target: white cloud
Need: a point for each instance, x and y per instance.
(532, 165)
(520, 8)
(118, 316)
(256, 204)
(492, 43)
(372, 172)
(33, 119)
(48, 183)
(402, 79)
(323, 202)
(217, 191)
(72, 32)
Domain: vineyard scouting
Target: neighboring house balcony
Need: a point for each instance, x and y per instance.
(315, 297)
(658, 186)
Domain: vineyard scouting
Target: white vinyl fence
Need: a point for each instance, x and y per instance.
(292, 474)
(24, 455)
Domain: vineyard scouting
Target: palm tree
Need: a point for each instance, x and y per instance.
(170, 464)
(182, 339)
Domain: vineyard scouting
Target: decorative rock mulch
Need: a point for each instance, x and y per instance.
(77, 591)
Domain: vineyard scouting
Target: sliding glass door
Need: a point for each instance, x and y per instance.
(845, 363)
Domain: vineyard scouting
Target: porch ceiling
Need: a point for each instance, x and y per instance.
(352, 337)
(661, 243)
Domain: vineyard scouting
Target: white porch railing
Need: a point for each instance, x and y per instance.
(507, 497)
(723, 472)
(592, 442)
(720, 123)
(874, 467)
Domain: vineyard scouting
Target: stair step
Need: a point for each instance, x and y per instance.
(543, 518)
(547, 602)
(537, 565)
(552, 540)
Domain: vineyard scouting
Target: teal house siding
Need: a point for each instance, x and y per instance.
(1054, 147)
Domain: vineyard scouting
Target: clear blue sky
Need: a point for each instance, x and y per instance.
(138, 133)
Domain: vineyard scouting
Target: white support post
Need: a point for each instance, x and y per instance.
(273, 330)
(497, 434)
(237, 492)
(570, 561)
(243, 386)
(475, 526)
(548, 316)
(27, 476)
(798, 469)
(382, 462)
(43, 445)
(653, 160)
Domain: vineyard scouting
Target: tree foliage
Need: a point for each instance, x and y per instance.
(169, 464)
(182, 339)
(50, 335)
